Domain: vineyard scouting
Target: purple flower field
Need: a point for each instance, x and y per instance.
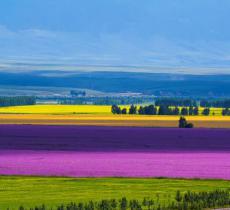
(125, 164)
(112, 151)
(102, 139)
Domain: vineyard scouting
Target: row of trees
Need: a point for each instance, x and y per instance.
(163, 110)
(186, 201)
(17, 101)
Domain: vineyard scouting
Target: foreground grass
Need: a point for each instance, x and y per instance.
(31, 191)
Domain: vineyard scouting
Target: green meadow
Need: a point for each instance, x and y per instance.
(51, 191)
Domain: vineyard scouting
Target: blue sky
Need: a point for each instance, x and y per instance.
(190, 34)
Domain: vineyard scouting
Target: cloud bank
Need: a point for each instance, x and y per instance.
(156, 34)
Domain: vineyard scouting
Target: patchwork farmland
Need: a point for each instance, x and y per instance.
(114, 105)
(94, 115)
(41, 144)
(115, 152)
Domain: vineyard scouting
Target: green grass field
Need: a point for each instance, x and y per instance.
(30, 191)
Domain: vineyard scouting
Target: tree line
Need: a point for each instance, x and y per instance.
(162, 110)
(217, 103)
(107, 100)
(224, 103)
(125, 100)
(17, 101)
(175, 102)
(181, 201)
(226, 112)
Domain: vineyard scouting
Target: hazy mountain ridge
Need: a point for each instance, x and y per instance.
(145, 83)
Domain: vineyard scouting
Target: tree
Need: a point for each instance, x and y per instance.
(150, 110)
(176, 111)
(90, 205)
(190, 110)
(147, 110)
(148, 203)
(141, 110)
(124, 111)
(225, 112)
(113, 204)
(206, 111)
(116, 109)
(189, 125)
(196, 111)
(184, 124)
(184, 111)
(178, 196)
(133, 109)
(123, 204)
(80, 206)
(164, 110)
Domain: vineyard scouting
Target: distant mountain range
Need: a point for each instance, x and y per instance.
(145, 83)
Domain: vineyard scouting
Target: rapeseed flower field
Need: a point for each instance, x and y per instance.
(75, 109)
(57, 109)
(101, 116)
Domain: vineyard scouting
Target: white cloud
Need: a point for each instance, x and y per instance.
(39, 33)
(39, 46)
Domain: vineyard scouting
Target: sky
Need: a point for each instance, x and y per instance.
(147, 34)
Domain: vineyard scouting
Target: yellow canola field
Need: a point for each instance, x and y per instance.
(100, 116)
(57, 109)
(74, 109)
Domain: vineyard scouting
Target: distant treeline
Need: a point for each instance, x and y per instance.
(162, 110)
(175, 102)
(225, 103)
(220, 103)
(124, 100)
(17, 101)
(226, 112)
(185, 201)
